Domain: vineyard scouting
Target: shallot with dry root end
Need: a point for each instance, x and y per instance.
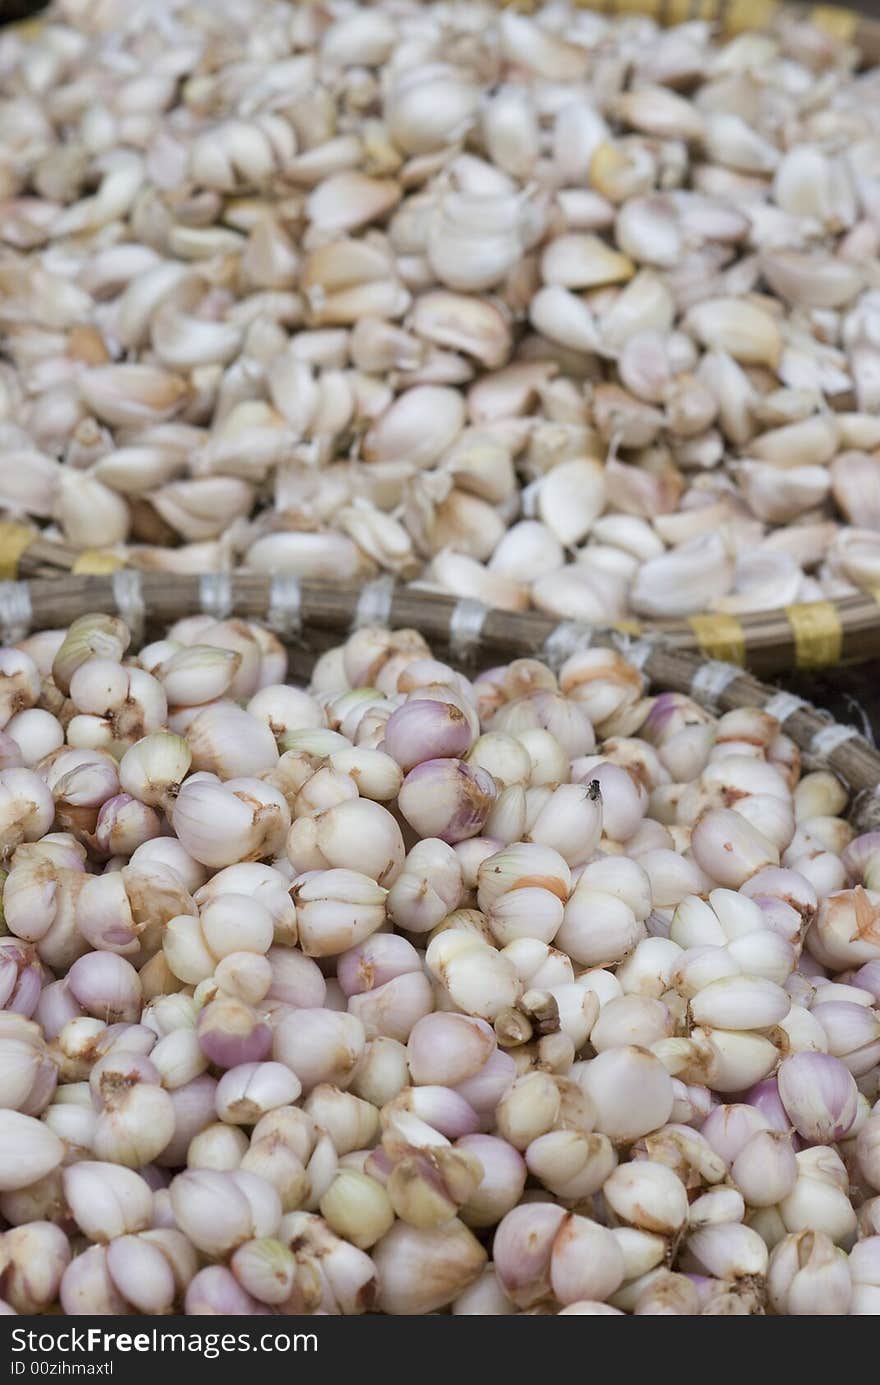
(558, 310)
(410, 992)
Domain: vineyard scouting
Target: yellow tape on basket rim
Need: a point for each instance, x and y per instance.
(30, 28)
(838, 23)
(628, 627)
(740, 15)
(679, 11)
(14, 539)
(96, 562)
(651, 8)
(701, 9)
(720, 636)
(818, 633)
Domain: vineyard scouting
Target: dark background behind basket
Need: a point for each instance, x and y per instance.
(18, 9)
(851, 695)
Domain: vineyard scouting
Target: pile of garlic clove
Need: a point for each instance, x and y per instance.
(413, 993)
(559, 310)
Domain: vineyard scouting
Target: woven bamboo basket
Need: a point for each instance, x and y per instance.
(806, 636)
(311, 618)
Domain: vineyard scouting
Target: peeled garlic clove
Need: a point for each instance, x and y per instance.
(135, 470)
(685, 580)
(811, 442)
(562, 317)
(625, 169)
(382, 298)
(854, 556)
(529, 550)
(182, 341)
(571, 497)
(325, 556)
(578, 130)
(526, 43)
(132, 395)
(748, 333)
(690, 408)
(482, 465)
(630, 534)
(631, 489)
(644, 304)
(644, 366)
(29, 482)
(507, 393)
(473, 242)
(659, 111)
(380, 536)
(584, 210)
(855, 485)
(461, 323)
(627, 420)
(348, 201)
(597, 557)
(778, 496)
(90, 514)
(578, 261)
(762, 582)
(461, 522)
(811, 281)
(511, 131)
(342, 264)
(203, 508)
(465, 577)
(713, 219)
(430, 107)
(418, 427)
(581, 592)
(733, 392)
(730, 140)
(648, 230)
(469, 262)
(810, 183)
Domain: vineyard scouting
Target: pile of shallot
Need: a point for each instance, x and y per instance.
(560, 310)
(410, 993)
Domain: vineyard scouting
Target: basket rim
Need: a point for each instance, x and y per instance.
(805, 635)
(308, 616)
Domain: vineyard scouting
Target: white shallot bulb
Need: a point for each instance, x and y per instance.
(219, 824)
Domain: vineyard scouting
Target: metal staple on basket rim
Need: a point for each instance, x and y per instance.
(284, 606)
(215, 595)
(128, 593)
(374, 603)
(16, 612)
(711, 678)
(465, 628)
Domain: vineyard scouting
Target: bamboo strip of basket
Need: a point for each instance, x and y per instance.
(316, 617)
